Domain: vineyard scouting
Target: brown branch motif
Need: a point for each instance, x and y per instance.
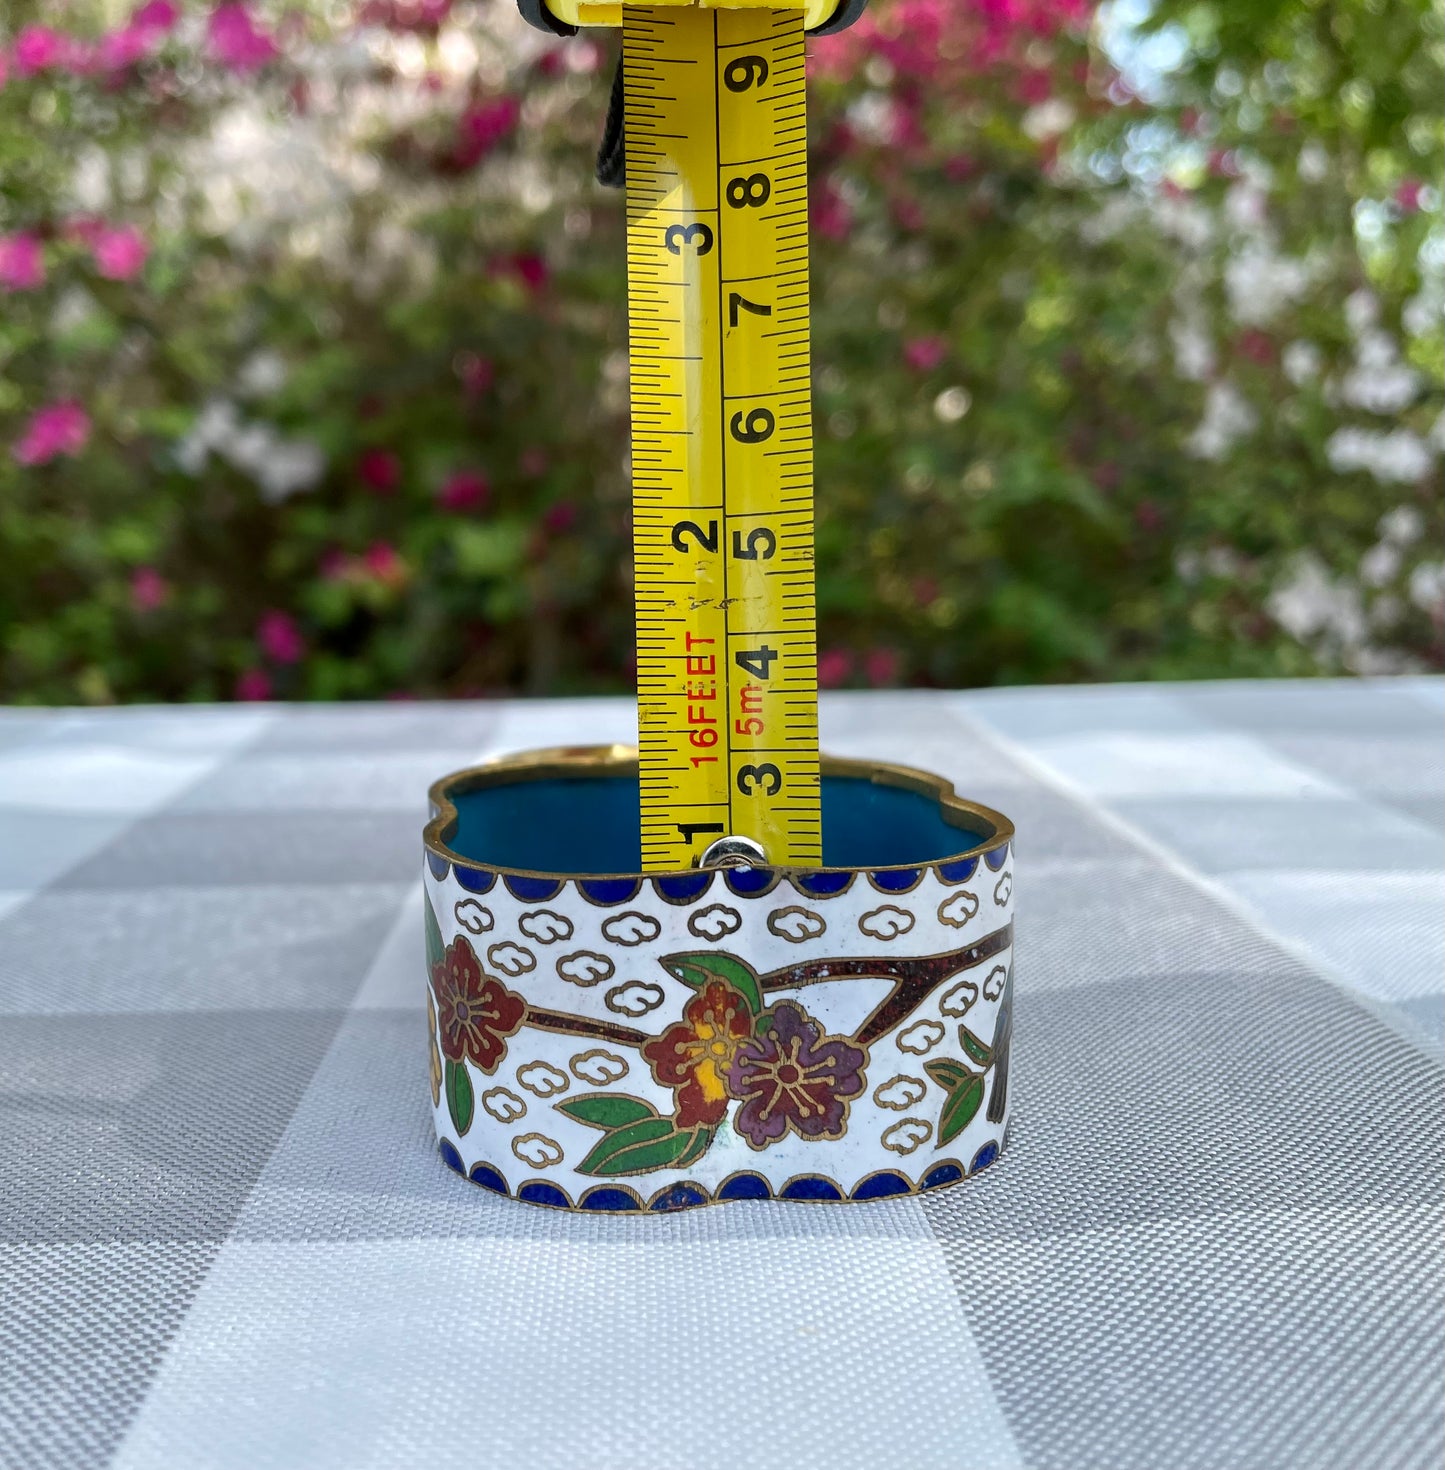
(914, 979)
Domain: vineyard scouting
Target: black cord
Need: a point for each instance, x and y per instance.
(612, 152)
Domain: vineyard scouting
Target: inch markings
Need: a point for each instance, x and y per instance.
(717, 265)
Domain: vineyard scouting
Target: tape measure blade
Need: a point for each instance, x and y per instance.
(721, 431)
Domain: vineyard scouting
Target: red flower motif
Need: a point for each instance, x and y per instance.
(693, 1057)
(476, 1011)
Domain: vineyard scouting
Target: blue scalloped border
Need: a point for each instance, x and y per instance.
(688, 1194)
(687, 888)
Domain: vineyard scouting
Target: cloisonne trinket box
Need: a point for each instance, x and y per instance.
(607, 1040)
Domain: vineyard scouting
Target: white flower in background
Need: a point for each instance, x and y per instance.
(280, 467)
(1308, 603)
(262, 374)
(1193, 351)
(871, 117)
(1048, 119)
(1427, 587)
(1379, 382)
(1362, 310)
(1185, 220)
(952, 404)
(90, 189)
(1313, 163)
(1397, 457)
(1244, 206)
(75, 307)
(1115, 215)
(1423, 312)
(1404, 525)
(1227, 418)
(1301, 362)
(1380, 564)
(1260, 284)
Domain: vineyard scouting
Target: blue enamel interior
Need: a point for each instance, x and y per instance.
(589, 824)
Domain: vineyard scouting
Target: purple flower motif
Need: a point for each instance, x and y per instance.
(793, 1076)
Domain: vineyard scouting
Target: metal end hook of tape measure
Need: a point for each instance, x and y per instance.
(734, 852)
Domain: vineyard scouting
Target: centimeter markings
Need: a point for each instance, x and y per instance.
(722, 448)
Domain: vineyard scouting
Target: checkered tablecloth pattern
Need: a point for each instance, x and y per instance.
(226, 1239)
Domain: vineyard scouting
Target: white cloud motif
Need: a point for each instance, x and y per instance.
(544, 926)
(920, 1037)
(900, 1093)
(537, 1150)
(886, 922)
(1003, 889)
(631, 929)
(472, 916)
(796, 924)
(635, 998)
(543, 1079)
(715, 922)
(585, 968)
(905, 1136)
(505, 1106)
(511, 959)
(598, 1067)
(958, 998)
(993, 986)
(958, 908)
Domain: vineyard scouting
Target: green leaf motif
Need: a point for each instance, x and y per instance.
(698, 969)
(435, 950)
(981, 1053)
(460, 1101)
(961, 1108)
(702, 1141)
(607, 1110)
(948, 1075)
(618, 1151)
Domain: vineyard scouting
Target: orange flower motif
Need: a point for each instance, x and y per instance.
(477, 1011)
(693, 1057)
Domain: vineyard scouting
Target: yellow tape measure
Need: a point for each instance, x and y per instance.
(722, 445)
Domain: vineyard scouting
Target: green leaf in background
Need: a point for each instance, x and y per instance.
(435, 950)
(460, 1101)
(607, 1110)
(960, 1109)
(698, 969)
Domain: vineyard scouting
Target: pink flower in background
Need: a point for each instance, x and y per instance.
(280, 639)
(58, 428)
(148, 589)
(22, 263)
(560, 518)
(119, 253)
(476, 373)
(533, 461)
(834, 666)
(482, 126)
(923, 354)
(123, 48)
(235, 41)
(828, 213)
(464, 490)
(380, 471)
(532, 270)
(253, 685)
(37, 49)
(1407, 196)
(383, 562)
(155, 15)
(881, 667)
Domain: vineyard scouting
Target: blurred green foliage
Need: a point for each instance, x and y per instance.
(1127, 348)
